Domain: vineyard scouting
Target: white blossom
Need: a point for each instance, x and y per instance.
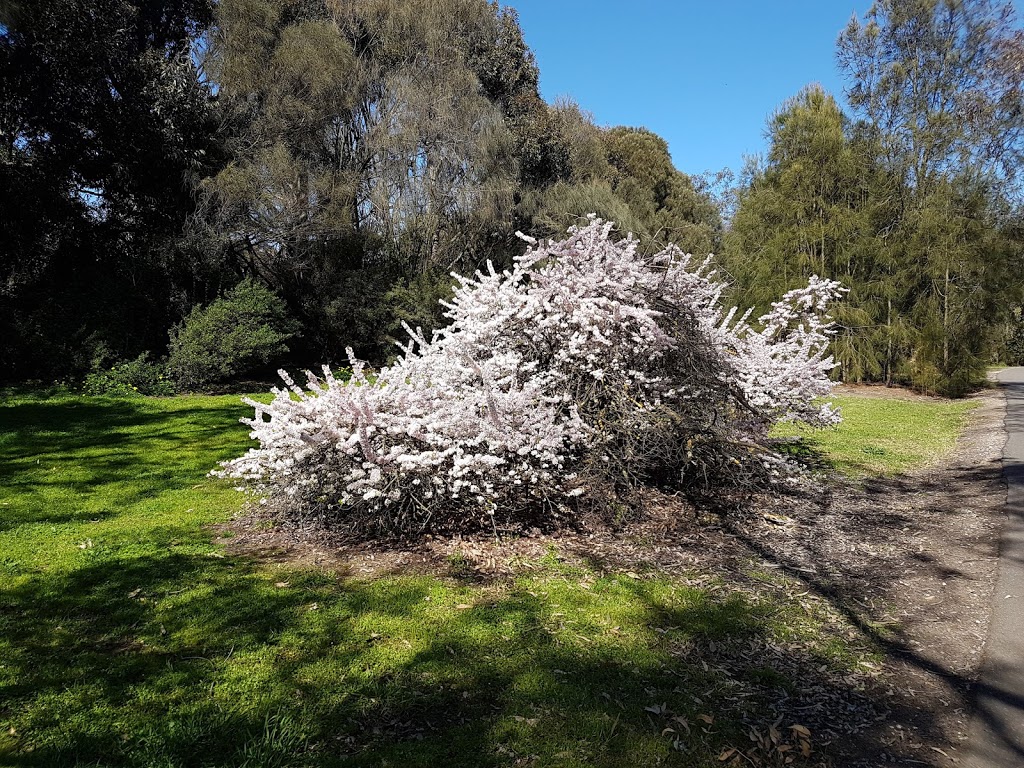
(502, 408)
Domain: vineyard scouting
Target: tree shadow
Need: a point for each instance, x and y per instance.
(103, 456)
(187, 660)
(180, 659)
(852, 589)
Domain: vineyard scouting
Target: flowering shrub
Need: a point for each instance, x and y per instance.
(584, 369)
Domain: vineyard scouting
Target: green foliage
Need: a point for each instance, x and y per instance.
(802, 211)
(235, 335)
(417, 303)
(810, 209)
(373, 144)
(624, 175)
(106, 125)
(131, 378)
(909, 206)
(939, 81)
(354, 155)
(1012, 349)
(934, 83)
(663, 199)
(554, 209)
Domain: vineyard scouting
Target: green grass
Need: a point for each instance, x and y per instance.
(128, 638)
(884, 436)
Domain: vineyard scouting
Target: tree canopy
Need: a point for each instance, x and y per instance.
(349, 154)
(911, 201)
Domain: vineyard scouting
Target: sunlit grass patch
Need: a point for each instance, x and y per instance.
(128, 638)
(881, 435)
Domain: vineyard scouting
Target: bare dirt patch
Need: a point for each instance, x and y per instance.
(911, 562)
(901, 569)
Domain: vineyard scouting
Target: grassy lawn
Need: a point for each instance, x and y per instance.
(885, 436)
(127, 638)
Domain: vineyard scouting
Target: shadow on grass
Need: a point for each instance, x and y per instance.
(70, 425)
(68, 460)
(185, 660)
(803, 450)
(178, 659)
(809, 453)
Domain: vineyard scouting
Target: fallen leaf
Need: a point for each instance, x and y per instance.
(706, 718)
(726, 755)
(682, 721)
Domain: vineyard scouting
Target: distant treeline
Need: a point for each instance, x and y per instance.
(347, 155)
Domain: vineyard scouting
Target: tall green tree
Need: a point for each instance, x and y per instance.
(106, 125)
(936, 83)
(624, 175)
(661, 197)
(809, 209)
(369, 157)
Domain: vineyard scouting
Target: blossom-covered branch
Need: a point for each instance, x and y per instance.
(583, 367)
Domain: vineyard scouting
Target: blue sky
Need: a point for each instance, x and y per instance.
(703, 75)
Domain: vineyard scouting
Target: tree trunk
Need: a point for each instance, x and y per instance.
(888, 344)
(945, 325)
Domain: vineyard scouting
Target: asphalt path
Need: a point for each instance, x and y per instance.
(996, 732)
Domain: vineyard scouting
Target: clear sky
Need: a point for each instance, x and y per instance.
(705, 75)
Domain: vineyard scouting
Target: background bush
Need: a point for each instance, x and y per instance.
(237, 334)
(140, 376)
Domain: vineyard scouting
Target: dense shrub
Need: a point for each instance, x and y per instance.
(1011, 351)
(584, 370)
(140, 376)
(235, 335)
